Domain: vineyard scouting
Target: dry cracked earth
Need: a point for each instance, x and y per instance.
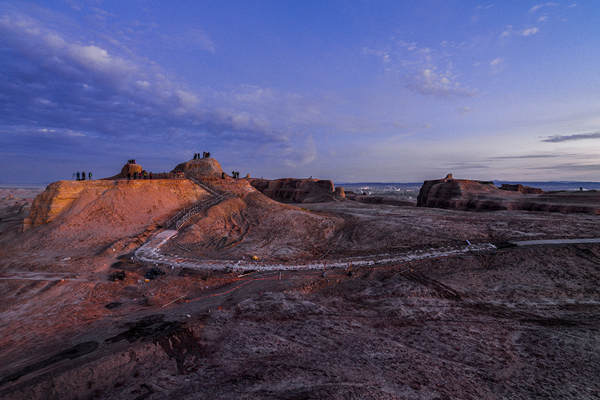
(514, 323)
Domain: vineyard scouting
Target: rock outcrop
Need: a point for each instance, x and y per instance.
(202, 167)
(520, 188)
(460, 194)
(128, 169)
(464, 194)
(117, 203)
(291, 190)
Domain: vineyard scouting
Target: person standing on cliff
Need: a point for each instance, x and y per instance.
(77, 175)
(89, 176)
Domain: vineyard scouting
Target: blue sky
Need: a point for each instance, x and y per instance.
(350, 91)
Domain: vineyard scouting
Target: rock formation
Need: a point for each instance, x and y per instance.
(111, 205)
(128, 170)
(199, 168)
(457, 193)
(95, 217)
(291, 190)
(464, 194)
(521, 188)
(340, 194)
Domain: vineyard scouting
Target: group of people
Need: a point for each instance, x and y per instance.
(235, 174)
(205, 154)
(139, 175)
(80, 176)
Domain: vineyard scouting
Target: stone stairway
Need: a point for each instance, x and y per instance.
(183, 216)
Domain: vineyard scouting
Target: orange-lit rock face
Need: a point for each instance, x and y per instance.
(125, 201)
(199, 168)
(130, 169)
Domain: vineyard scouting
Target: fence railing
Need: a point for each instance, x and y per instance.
(183, 216)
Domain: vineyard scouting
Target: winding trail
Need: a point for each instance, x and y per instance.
(150, 253)
(554, 241)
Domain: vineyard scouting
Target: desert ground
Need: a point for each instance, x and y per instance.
(88, 320)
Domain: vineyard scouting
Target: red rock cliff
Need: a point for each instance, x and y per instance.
(464, 194)
(291, 190)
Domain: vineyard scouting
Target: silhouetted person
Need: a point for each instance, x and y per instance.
(222, 175)
(78, 176)
(83, 175)
(129, 176)
(150, 175)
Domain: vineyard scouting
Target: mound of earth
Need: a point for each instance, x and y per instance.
(128, 170)
(95, 213)
(200, 168)
(251, 224)
(291, 190)
(464, 194)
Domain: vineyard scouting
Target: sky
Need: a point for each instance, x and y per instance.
(353, 91)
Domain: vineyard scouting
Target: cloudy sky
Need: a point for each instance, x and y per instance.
(354, 91)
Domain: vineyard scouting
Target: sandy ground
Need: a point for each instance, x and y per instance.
(516, 322)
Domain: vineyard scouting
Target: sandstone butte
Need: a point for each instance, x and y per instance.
(118, 213)
(122, 198)
(465, 194)
(292, 190)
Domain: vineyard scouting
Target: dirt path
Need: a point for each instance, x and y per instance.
(150, 253)
(555, 241)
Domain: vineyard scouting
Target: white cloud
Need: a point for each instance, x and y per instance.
(429, 71)
(431, 82)
(572, 5)
(45, 102)
(507, 31)
(542, 5)
(383, 55)
(91, 54)
(104, 80)
(302, 154)
(497, 64)
(542, 18)
(201, 40)
(529, 31)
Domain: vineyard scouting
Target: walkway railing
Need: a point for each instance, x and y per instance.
(183, 216)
